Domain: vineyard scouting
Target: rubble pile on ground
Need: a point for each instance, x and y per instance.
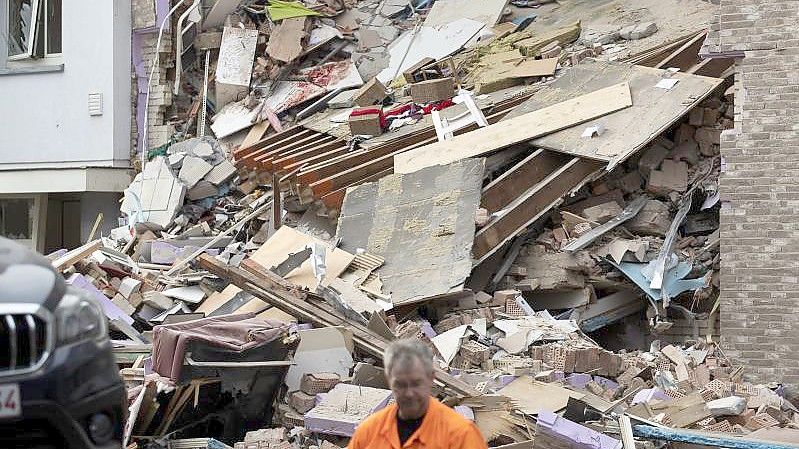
(540, 211)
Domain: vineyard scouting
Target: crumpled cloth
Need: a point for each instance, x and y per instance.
(238, 332)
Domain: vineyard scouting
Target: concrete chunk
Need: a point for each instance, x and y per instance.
(344, 407)
(672, 177)
(653, 219)
(602, 212)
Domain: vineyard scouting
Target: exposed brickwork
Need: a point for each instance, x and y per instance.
(144, 25)
(760, 189)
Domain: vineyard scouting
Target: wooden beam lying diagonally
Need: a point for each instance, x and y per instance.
(307, 307)
(532, 204)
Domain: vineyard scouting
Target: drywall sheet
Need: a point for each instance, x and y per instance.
(427, 42)
(323, 350)
(653, 110)
(236, 55)
(422, 223)
(486, 12)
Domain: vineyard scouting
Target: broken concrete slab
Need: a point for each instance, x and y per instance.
(487, 12)
(155, 196)
(221, 172)
(420, 223)
(193, 170)
(602, 212)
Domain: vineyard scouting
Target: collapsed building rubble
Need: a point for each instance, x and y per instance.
(539, 210)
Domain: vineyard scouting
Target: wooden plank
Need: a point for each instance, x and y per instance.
(321, 171)
(332, 150)
(255, 134)
(248, 158)
(264, 160)
(713, 67)
(306, 151)
(352, 174)
(267, 286)
(686, 56)
(522, 176)
(268, 140)
(531, 205)
(518, 129)
(75, 255)
(654, 110)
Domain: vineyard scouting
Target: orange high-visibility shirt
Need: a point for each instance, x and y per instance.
(442, 428)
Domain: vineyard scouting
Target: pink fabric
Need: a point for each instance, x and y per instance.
(233, 332)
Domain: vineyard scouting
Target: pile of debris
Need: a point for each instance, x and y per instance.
(540, 211)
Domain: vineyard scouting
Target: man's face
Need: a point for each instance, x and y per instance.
(412, 385)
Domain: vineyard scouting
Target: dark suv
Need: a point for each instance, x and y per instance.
(59, 384)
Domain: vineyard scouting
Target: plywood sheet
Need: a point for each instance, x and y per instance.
(486, 12)
(421, 223)
(653, 109)
(287, 241)
(558, 116)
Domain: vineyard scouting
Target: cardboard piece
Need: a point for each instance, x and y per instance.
(531, 396)
(287, 240)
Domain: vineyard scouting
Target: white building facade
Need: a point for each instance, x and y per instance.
(65, 118)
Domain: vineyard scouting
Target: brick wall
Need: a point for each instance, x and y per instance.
(144, 24)
(760, 188)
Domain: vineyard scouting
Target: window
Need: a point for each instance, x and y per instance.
(21, 219)
(16, 218)
(34, 28)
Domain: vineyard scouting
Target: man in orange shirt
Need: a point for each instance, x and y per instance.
(416, 420)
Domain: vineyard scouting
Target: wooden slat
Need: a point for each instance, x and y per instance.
(334, 149)
(686, 56)
(712, 67)
(264, 160)
(335, 199)
(307, 307)
(350, 175)
(541, 122)
(321, 171)
(532, 205)
(308, 151)
(244, 150)
(286, 139)
(519, 178)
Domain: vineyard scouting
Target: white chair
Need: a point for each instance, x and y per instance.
(446, 127)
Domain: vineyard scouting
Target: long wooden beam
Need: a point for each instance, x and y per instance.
(521, 177)
(518, 129)
(529, 207)
(242, 151)
(308, 307)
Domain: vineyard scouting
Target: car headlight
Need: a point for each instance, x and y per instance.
(79, 318)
